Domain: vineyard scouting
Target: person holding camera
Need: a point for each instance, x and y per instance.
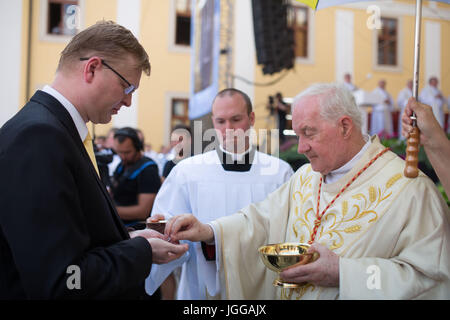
(282, 110)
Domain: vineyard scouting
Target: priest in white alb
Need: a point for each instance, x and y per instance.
(348, 82)
(215, 184)
(402, 101)
(381, 119)
(379, 234)
(432, 96)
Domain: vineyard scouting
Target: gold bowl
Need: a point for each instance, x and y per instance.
(280, 256)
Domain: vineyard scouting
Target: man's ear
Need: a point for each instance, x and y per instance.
(252, 118)
(90, 68)
(346, 126)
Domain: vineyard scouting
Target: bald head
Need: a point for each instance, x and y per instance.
(230, 92)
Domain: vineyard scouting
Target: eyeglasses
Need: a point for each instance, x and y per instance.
(130, 89)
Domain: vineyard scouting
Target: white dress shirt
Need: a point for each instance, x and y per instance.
(76, 117)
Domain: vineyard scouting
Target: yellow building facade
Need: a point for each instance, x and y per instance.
(339, 40)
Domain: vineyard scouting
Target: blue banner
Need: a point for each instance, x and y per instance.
(205, 46)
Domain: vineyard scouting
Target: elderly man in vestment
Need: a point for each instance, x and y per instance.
(432, 96)
(379, 234)
(214, 184)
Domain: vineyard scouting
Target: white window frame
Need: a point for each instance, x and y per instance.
(384, 68)
(170, 96)
(43, 20)
(309, 59)
(173, 47)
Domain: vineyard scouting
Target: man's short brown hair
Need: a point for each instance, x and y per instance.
(108, 40)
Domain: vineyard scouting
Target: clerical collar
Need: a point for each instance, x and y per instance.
(236, 161)
(335, 175)
(236, 156)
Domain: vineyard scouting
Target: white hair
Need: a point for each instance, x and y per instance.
(334, 100)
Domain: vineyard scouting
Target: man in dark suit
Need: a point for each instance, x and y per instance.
(60, 235)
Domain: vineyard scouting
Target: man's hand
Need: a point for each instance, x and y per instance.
(162, 251)
(147, 234)
(429, 128)
(187, 227)
(322, 272)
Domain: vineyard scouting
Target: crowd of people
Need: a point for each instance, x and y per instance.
(71, 228)
(381, 115)
(385, 117)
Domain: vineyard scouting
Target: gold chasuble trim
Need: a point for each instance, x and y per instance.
(344, 223)
(318, 220)
(365, 206)
(389, 184)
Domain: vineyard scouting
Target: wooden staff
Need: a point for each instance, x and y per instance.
(413, 142)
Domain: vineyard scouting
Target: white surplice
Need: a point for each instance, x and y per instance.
(429, 95)
(350, 86)
(402, 101)
(392, 234)
(381, 118)
(200, 185)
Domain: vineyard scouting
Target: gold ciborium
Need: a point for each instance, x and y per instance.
(280, 256)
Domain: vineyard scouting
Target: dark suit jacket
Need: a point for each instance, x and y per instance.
(55, 213)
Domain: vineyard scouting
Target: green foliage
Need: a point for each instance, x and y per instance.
(398, 146)
(291, 154)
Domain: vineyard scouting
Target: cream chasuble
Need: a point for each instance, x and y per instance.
(392, 234)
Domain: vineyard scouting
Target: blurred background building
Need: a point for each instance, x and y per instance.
(369, 41)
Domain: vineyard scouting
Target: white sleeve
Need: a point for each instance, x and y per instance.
(210, 269)
(173, 197)
(160, 272)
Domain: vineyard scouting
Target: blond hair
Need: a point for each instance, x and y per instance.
(107, 39)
